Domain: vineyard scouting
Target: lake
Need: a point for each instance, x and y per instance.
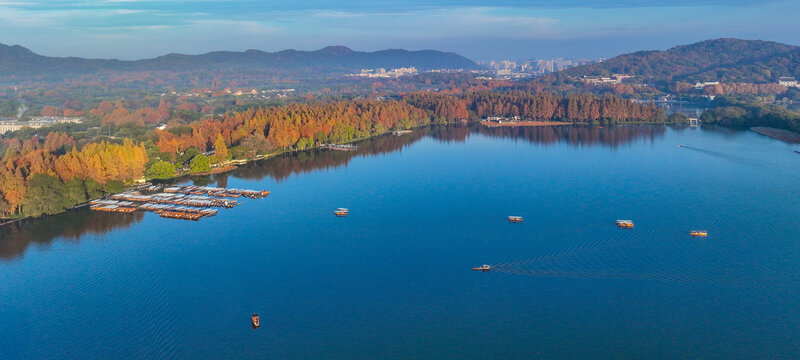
(393, 279)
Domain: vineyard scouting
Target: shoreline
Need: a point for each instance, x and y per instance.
(787, 136)
(524, 123)
(227, 167)
(234, 164)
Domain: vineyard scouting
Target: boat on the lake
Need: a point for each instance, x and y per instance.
(482, 268)
(627, 224)
(515, 219)
(698, 233)
(341, 212)
(681, 145)
(254, 320)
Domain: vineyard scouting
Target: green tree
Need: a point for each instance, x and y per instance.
(190, 153)
(160, 170)
(153, 153)
(238, 152)
(305, 142)
(200, 164)
(93, 189)
(45, 196)
(74, 193)
(113, 187)
(678, 117)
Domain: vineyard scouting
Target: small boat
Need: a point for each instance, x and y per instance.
(681, 145)
(628, 224)
(698, 233)
(254, 319)
(483, 268)
(797, 151)
(515, 219)
(341, 212)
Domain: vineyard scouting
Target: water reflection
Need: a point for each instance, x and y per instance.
(578, 135)
(284, 166)
(16, 238)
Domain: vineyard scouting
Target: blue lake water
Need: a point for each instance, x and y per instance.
(393, 279)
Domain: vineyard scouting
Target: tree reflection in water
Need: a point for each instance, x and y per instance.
(15, 238)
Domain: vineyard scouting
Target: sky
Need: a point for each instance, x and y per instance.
(479, 30)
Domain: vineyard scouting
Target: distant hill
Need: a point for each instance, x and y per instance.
(18, 61)
(726, 60)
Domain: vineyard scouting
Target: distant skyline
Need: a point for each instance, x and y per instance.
(479, 30)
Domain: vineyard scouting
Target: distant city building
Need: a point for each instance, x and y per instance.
(614, 79)
(8, 124)
(245, 92)
(702, 85)
(382, 73)
(56, 119)
(788, 81)
(508, 69)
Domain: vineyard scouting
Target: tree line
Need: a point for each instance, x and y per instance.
(732, 112)
(46, 176)
(544, 106)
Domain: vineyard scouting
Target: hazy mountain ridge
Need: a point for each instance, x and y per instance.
(19, 61)
(727, 60)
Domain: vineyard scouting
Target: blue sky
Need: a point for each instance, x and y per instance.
(480, 30)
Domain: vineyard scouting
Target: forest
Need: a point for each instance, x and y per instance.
(723, 60)
(575, 108)
(729, 111)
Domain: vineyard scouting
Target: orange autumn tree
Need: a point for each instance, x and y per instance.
(284, 126)
(100, 162)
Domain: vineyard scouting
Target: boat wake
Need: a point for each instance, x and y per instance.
(664, 277)
(636, 256)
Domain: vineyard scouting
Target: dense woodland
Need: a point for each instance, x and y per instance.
(576, 108)
(724, 60)
(729, 111)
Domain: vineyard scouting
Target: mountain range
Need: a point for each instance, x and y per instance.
(725, 60)
(19, 61)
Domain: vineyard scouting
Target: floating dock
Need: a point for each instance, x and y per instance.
(184, 202)
(216, 192)
(175, 199)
